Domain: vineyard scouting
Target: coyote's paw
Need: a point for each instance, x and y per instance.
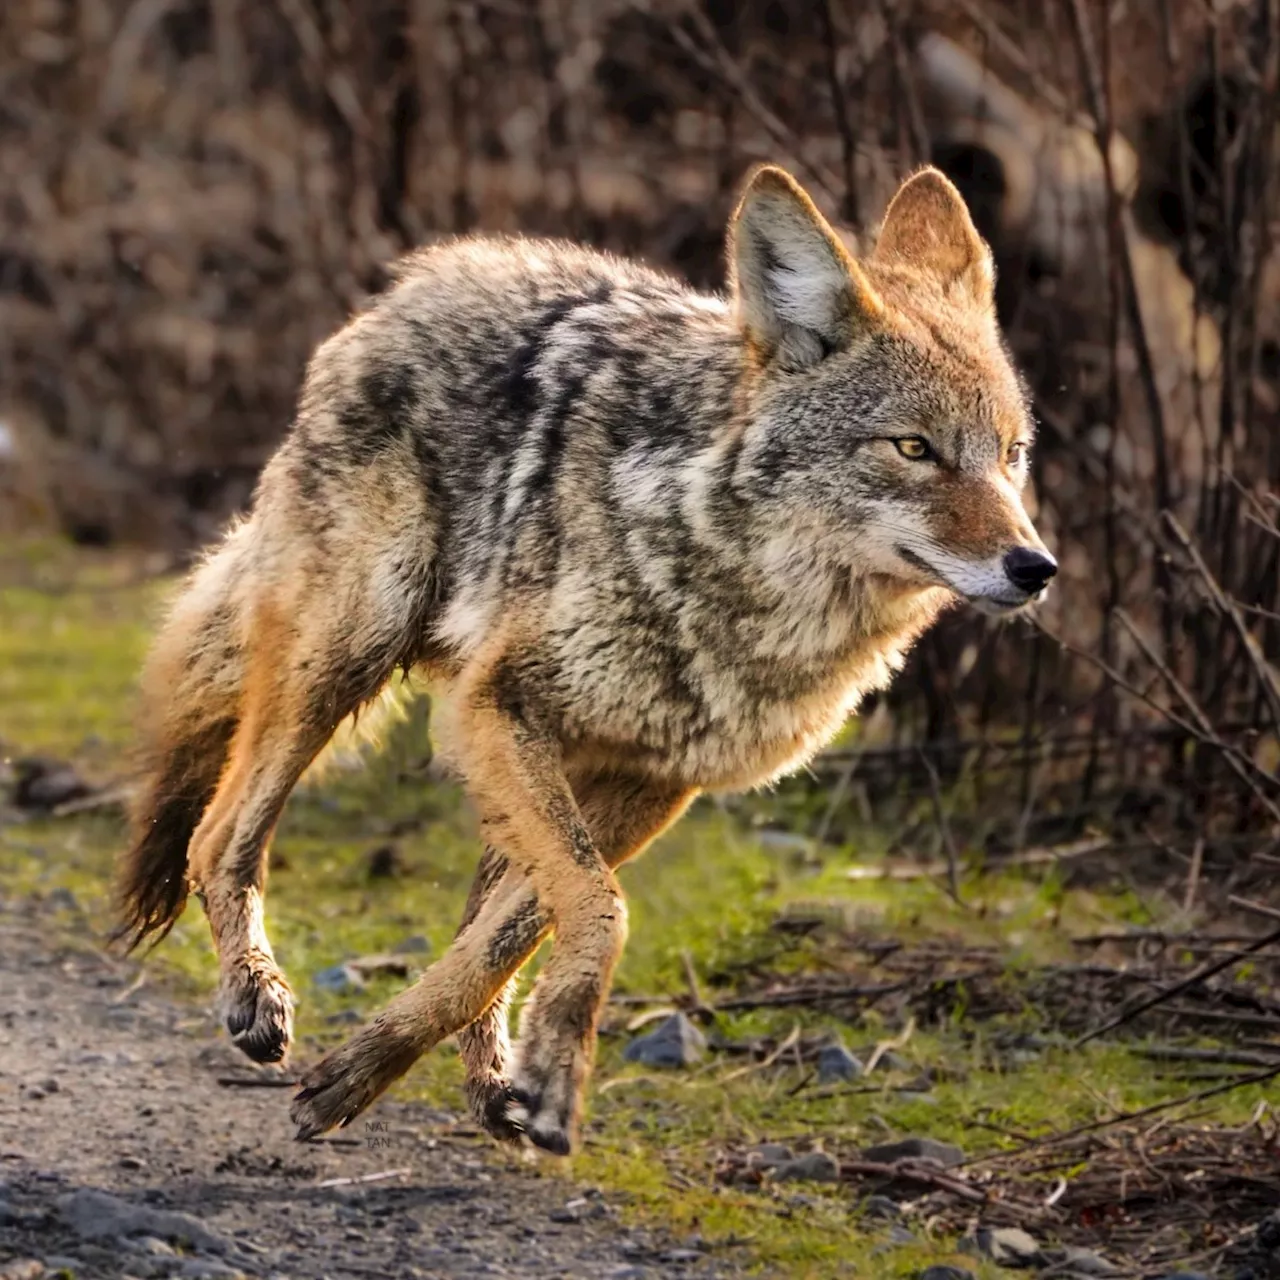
(257, 1007)
(488, 1096)
(342, 1085)
(543, 1100)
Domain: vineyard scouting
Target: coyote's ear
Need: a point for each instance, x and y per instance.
(797, 288)
(927, 226)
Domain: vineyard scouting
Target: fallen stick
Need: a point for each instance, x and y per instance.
(365, 1177)
(1167, 993)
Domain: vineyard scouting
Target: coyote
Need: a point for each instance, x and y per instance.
(641, 542)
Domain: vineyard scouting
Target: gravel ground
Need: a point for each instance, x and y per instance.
(122, 1154)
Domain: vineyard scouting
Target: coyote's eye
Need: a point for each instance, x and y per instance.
(914, 447)
(1017, 451)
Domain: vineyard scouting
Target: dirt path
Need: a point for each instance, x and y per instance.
(121, 1154)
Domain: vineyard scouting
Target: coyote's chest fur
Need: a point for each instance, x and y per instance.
(735, 710)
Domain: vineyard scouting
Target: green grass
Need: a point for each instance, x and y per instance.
(705, 896)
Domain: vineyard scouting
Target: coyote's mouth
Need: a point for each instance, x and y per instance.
(1001, 606)
(993, 603)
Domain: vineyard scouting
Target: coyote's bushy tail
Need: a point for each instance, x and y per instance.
(192, 700)
(190, 704)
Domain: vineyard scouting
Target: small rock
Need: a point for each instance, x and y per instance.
(43, 784)
(1084, 1262)
(97, 1215)
(835, 1062)
(1267, 1236)
(675, 1043)
(681, 1257)
(344, 1018)
(627, 1271)
(416, 944)
(341, 978)
(769, 1154)
(816, 1166)
(132, 1163)
(881, 1208)
(63, 899)
(367, 967)
(8, 1214)
(204, 1269)
(900, 1235)
(944, 1272)
(384, 862)
(23, 1269)
(154, 1246)
(1006, 1246)
(942, 1153)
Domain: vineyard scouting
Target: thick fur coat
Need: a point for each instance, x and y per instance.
(643, 542)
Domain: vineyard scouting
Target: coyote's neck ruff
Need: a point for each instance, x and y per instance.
(644, 542)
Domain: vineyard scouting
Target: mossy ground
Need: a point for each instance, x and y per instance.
(75, 629)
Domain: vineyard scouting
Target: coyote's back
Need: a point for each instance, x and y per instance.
(644, 541)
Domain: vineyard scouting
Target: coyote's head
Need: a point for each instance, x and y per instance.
(889, 426)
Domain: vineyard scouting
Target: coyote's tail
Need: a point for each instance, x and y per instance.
(190, 706)
(192, 696)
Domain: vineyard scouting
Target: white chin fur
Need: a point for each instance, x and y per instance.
(1002, 606)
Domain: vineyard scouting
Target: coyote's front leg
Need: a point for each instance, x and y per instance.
(528, 811)
(623, 814)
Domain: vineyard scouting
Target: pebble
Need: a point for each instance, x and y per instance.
(1084, 1262)
(835, 1062)
(1006, 1246)
(23, 1269)
(96, 1215)
(344, 1018)
(880, 1207)
(384, 862)
(416, 944)
(816, 1166)
(154, 1246)
(8, 1213)
(626, 1271)
(769, 1154)
(204, 1269)
(133, 1163)
(675, 1043)
(366, 967)
(44, 784)
(1268, 1233)
(942, 1153)
(944, 1272)
(341, 978)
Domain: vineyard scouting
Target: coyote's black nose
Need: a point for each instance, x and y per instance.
(1029, 570)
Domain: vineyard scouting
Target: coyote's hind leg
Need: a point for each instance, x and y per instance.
(305, 673)
(623, 815)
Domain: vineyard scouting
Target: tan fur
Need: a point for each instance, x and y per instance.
(642, 543)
